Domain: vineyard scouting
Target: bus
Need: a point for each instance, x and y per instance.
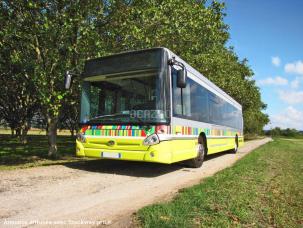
(150, 105)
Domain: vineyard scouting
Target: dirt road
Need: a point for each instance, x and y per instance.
(102, 190)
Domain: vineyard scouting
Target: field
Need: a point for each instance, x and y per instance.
(263, 189)
(33, 131)
(14, 154)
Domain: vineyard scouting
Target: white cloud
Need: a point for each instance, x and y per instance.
(291, 97)
(295, 68)
(276, 61)
(273, 81)
(289, 118)
(295, 83)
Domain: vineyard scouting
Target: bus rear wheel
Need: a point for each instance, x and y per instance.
(197, 161)
(235, 149)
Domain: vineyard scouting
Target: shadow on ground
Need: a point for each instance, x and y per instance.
(212, 156)
(127, 168)
(13, 152)
(131, 168)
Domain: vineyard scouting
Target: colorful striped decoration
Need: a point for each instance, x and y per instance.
(143, 131)
(118, 130)
(184, 130)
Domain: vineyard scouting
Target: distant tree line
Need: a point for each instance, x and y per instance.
(40, 40)
(288, 132)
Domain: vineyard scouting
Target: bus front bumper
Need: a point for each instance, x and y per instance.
(160, 153)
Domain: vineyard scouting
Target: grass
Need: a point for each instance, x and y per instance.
(34, 131)
(14, 154)
(299, 137)
(263, 189)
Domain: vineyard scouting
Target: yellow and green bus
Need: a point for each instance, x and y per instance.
(150, 105)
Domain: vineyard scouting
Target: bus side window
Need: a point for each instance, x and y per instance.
(181, 97)
(176, 92)
(199, 107)
(212, 103)
(204, 105)
(186, 93)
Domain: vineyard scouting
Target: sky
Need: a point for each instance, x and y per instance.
(269, 33)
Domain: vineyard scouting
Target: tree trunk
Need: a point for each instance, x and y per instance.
(23, 136)
(12, 132)
(52, 136)
(18, 132)
(72, 132)
(24, 131)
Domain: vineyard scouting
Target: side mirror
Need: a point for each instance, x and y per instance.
(181, 78)
(68, 80)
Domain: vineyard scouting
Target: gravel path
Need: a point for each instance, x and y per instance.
(107, 191)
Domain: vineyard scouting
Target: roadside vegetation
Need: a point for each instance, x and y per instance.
(288, 132)
(264, 189)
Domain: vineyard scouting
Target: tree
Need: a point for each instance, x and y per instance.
(185, 26)
(18, 100)
(60, 35)
(277, 131)
(18, 103)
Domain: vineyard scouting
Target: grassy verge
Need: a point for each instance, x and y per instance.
(14, 154)
(263, 189)
(249, 137)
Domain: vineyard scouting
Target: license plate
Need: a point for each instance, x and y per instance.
(110, 155)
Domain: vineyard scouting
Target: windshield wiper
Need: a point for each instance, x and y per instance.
(109, 116)
(113, 117)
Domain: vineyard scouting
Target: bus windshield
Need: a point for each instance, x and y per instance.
(129, 99)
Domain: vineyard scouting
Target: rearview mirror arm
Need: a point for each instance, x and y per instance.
(173, 61)
(68, 79)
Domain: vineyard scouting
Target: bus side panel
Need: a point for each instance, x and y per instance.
(216, 145)
(184, 149)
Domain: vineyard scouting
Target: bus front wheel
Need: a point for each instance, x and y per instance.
(197, 161)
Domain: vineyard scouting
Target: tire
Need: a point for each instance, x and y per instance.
(197, 161)
(235, 149)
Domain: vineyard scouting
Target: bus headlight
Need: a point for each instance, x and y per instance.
(81, 138)
(151, 140)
